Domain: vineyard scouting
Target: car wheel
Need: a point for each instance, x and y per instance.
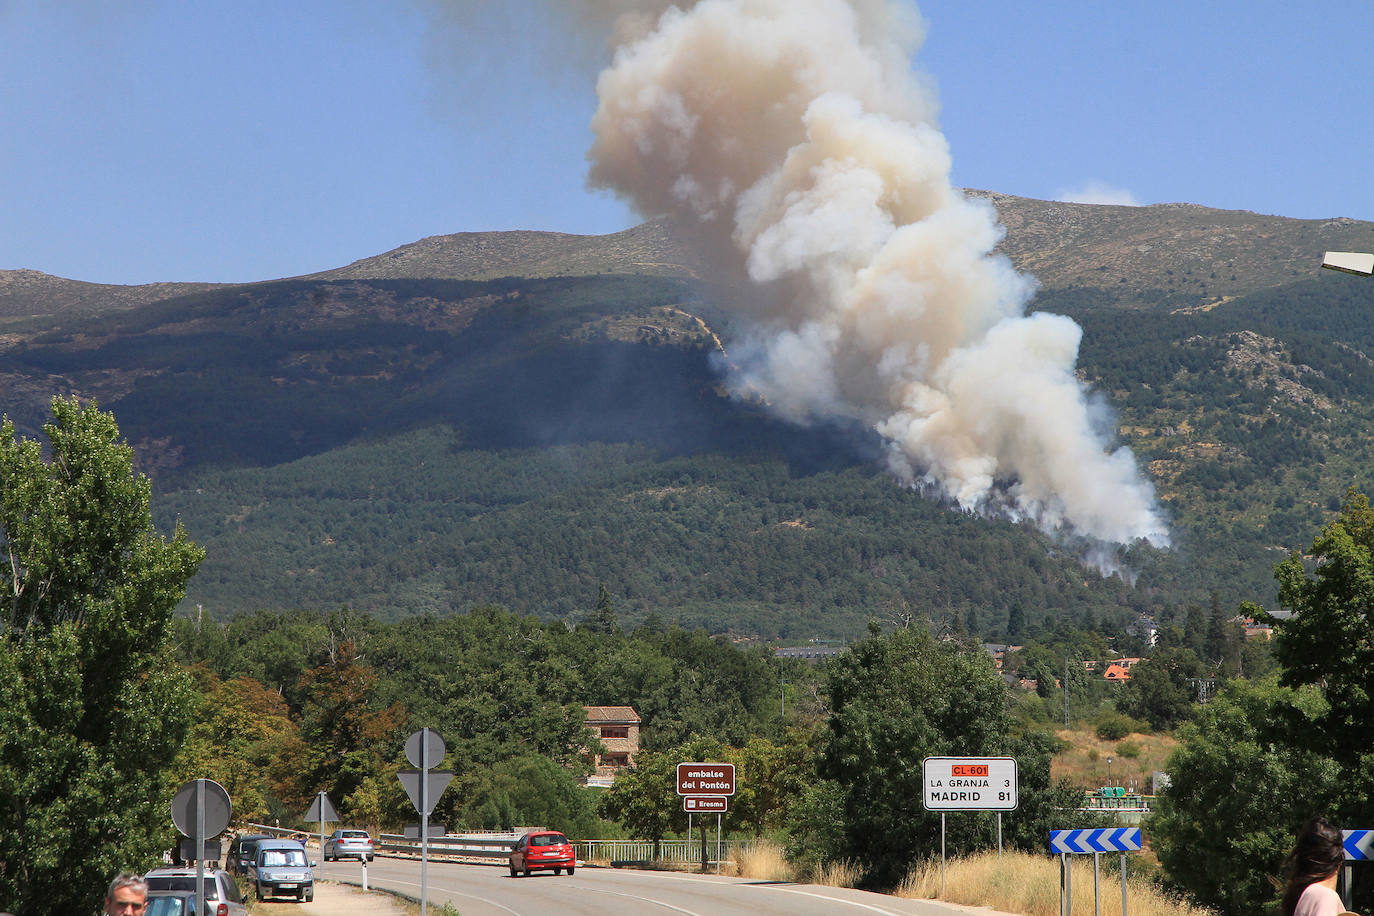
(310, 894)
(527, 873)
(300, 894)
(370, 858)
(262, 895)
(570, 869)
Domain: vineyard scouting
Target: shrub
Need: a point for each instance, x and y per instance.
(1113, 728)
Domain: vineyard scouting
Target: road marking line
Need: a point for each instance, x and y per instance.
(827, 897)
(597, 890)
(768, 887)
(449, 890)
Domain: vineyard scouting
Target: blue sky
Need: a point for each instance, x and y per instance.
(247, 140)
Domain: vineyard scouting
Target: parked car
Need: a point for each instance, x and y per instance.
(540, 850)
(242, 851)
(281, 868)
(348, 843)
(222, 897)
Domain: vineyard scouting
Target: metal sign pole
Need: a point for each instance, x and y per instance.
(321, 801)
(424, 823)
(690, 837)
(200, 845)
(717, 844)
(1063, 882)
(1068, 884)
(942, 853)
(1123, 884)
(999, 834)
(1097, 891)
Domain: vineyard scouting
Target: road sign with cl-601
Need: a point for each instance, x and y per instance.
(705, 779)
(1102, 839)
(970, 783)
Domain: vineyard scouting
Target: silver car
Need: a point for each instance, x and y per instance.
(282, 869)
(348, 844)
(222, 897)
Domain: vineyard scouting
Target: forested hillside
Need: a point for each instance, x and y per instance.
(406, 445)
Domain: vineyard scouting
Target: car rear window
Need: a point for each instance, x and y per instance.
(548, 839)
(356, 835)
(182, 883)
(167, 906)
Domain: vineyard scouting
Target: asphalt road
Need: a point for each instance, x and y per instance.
(484, 890)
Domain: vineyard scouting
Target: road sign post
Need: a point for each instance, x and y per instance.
(424, 749)
(1359, 847)
(705, 787)
(322, 809)
(969, 784)
(200, 810)
(1095, 842)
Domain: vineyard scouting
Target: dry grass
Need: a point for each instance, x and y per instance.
(1084, 761)
(1029, 884)
(764, 861)
(837, 874)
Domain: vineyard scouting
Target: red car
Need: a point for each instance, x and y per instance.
(546, 849)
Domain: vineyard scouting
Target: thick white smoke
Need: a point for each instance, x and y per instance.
(794, 136)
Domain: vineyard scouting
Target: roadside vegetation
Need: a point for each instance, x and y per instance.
(277, 706)
(1028, 884)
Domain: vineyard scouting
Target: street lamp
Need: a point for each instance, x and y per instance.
(1349, 262)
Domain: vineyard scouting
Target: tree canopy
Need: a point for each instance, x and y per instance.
(94, 710)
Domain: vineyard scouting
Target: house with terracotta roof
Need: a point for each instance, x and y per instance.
(618, 729)
(1116, 672)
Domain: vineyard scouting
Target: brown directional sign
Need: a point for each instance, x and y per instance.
(709, 804)
(705, 779)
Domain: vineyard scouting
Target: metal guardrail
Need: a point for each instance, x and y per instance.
(677, 852)
(464, 846)
(496, 847)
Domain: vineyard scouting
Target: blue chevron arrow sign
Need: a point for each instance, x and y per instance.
(1102, 839)
(1359, 845)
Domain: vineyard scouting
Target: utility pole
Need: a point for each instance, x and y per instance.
(1066, 691)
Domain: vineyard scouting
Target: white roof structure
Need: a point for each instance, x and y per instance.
(1350, 262)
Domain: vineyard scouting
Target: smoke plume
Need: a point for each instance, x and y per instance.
(795, 139)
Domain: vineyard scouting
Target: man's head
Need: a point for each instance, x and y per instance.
(128, 896)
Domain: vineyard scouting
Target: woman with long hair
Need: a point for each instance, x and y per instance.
(1314, 866)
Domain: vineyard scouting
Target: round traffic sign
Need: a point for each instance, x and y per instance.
(217, 808)
(425, 738)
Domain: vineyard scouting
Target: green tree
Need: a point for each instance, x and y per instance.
(95, 710)
(896, 699)
(602, 619)
(1240, 786)
(644, 800)
(1329, 640)
(1162, 688)
(768, 778)
(347, 736)
(527, 790)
